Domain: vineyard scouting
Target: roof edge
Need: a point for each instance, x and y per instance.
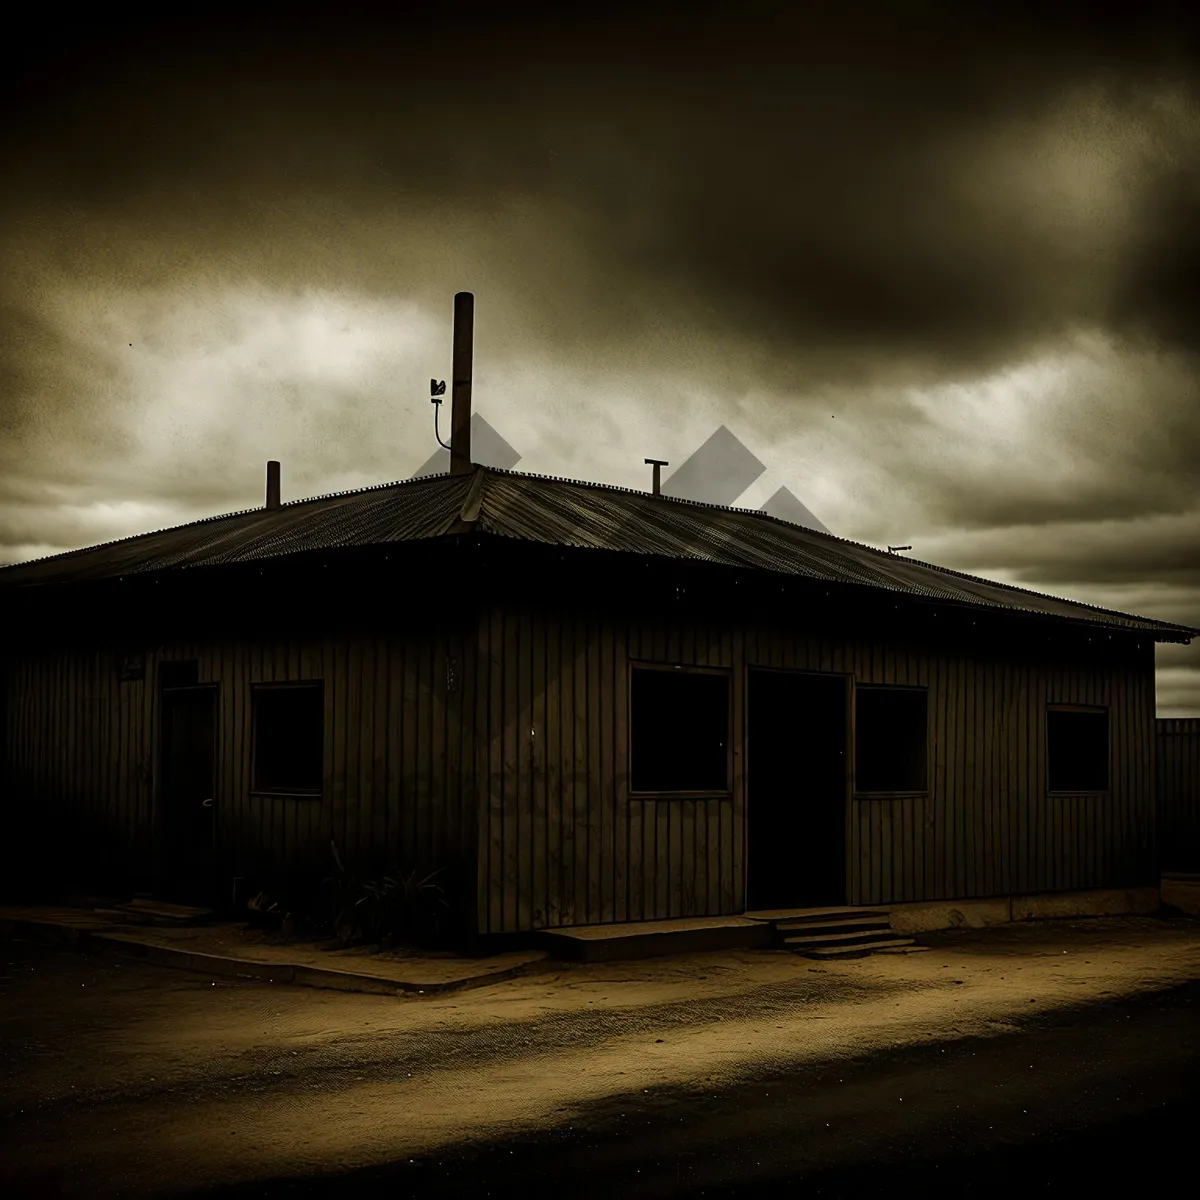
(474, 506)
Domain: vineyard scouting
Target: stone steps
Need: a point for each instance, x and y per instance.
(832, 925)
(841, 931)
(892, 945)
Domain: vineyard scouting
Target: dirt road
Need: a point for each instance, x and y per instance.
(669, 1077)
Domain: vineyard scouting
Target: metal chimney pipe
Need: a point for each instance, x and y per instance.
(272, 484)
(460, 409)
(657, 464)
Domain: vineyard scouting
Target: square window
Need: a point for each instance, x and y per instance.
(890, 739)
(1077, 750)
(289, 737)
(679, 730)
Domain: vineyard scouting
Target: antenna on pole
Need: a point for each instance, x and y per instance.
(657, 464)
(437, 389)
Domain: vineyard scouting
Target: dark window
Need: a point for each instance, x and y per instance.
(1077, 750)
(289, 737)
(679, 731)
(890, 739)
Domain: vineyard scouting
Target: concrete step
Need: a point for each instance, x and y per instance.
(833, 925)
(839, 939)
(856, 951)
(648, 939)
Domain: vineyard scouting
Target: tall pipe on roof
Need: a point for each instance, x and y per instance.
(272, 484)
(460, 410)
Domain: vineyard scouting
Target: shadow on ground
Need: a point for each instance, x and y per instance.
(1098, 1100)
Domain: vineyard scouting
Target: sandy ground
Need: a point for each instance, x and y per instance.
(410, 967)
(121, 1077)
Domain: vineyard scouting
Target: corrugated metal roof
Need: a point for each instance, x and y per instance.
(560, 512)
(396, 512)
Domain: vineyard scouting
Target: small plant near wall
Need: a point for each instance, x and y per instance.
(399, 907)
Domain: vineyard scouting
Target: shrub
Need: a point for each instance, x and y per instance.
(400, 906)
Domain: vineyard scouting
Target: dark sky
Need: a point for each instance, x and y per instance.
(937, 266)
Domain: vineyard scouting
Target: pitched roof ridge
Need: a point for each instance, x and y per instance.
(768, 517)
(241, 512)
(376, 487)
(614, 487)
(133, 537)
(476, 492)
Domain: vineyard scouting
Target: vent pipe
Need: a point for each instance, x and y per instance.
(460, 409)
(272, 484)
(657, 464)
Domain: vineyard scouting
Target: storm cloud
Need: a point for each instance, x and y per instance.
(935, 266)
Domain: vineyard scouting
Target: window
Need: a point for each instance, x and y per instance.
(679, 730)
(289, 737)
(1077, 749)
(890, 739)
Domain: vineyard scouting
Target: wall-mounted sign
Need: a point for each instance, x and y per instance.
(132, 667)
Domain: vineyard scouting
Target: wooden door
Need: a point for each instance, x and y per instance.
(187, 822)
(796, 789)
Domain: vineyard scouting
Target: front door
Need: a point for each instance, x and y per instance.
(187, 805)
(796, 790)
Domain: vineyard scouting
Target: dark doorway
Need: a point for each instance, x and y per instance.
(187, 804)
(796, 790)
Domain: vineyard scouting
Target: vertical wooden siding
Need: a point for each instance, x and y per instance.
(1178, 744)
(990, 826)
(562, 843)
(397, 784)
(538, 731)
(79, 765)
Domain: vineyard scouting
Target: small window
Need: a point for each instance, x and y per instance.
(679, 730)
(890, 739)
(1077, 750)
(289, 737)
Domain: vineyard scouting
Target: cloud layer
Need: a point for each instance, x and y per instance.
(937, 269)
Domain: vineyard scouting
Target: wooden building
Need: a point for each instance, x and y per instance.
(1179, 793)
(586, 704)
